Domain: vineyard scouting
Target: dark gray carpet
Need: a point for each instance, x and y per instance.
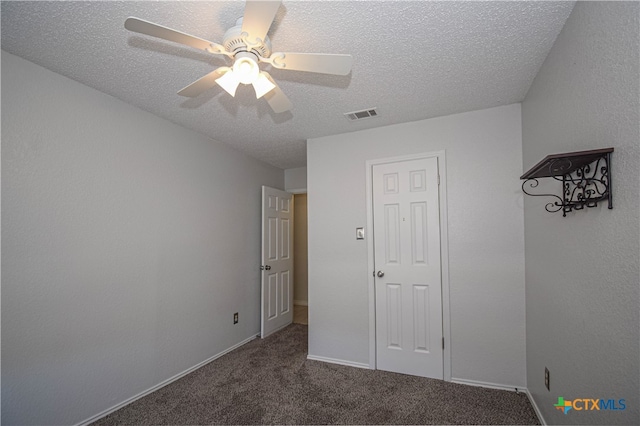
(270, 381)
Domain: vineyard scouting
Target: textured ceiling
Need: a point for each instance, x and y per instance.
(412, 60)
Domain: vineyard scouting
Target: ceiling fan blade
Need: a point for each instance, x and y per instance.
(258, 17)
(325, 63)
(276, 98)
(204, 83)
(149, 28)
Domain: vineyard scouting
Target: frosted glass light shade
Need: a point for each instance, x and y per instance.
(229, 82)
(262, 86)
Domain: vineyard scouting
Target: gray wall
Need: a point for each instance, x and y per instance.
(128, 243)
(486, 239)
(582, 272)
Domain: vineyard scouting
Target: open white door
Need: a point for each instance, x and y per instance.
(408, 293)
(277, 260)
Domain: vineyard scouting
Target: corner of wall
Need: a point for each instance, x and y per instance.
(295, 180)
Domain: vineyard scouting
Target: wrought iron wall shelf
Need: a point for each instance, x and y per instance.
(585, 177)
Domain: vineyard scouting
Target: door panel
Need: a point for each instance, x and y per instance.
(284, 292)
(285, 228)
(272, 296)
(272, 230)
(421, 318)
(419, 242)
(394, 316)
(407, 250)
(277, 260)
(392, 233)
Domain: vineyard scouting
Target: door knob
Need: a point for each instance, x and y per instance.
(380, 274)
(268, 268)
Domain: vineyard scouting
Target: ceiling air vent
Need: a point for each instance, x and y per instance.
(359, 115)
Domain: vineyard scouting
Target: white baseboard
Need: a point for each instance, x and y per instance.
(536, 409)
(504, 387)
(163, 384)
(301, 302)
(338, 361)
(488, 385)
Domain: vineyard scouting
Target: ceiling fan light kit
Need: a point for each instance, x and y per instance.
(246, 71)
(248, 45)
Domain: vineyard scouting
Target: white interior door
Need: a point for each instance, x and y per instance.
(277, 260)
(408, 291)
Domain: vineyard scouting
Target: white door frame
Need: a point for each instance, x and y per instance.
(444, 255)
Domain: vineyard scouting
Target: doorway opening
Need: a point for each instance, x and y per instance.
(300, 261)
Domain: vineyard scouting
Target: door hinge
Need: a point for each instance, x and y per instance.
(443, 343)
(438, 180)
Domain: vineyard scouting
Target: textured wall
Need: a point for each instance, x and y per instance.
(582, 271)
(128, 243)
(486, 239)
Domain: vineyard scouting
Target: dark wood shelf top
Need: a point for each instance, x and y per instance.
(562, 164)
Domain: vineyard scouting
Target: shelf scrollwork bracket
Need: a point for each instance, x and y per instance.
(585, 177)
(550, 207)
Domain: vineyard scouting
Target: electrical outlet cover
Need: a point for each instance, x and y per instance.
(546, 378)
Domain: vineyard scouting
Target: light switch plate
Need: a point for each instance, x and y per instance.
(359, 233)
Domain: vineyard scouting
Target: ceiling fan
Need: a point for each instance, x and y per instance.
(248, 45)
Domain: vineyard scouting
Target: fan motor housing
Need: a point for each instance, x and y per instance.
(234, 42)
